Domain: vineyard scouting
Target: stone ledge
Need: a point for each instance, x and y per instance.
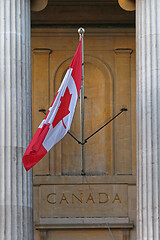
(96, 32)
(84, 223)
(74, 180)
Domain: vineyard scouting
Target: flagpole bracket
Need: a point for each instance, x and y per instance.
(83, 173)
(43, 111)
(84, 142)
(124, 109)
(74, 138)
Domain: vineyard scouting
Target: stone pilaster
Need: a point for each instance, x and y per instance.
(148, 118)
(16, 221)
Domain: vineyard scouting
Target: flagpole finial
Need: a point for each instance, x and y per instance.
(81, 31)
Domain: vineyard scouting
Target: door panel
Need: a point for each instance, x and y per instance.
(98, 109)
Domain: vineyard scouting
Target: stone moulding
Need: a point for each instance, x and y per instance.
(128, 5)
(38, 5)
(84, 223)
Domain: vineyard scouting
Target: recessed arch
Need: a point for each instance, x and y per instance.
(98, 110)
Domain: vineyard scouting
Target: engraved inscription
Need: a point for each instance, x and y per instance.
(103, 198)
(83, 200)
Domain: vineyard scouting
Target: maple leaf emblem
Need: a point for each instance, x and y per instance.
(63, 109)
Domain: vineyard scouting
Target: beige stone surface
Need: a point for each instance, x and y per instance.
(38, 5)
(108, 87)
(61, 180)
(109, 156)
(40, 96)
(132, 203)
(83, 12)
(83, 201)
(86, 234)
(123, 146)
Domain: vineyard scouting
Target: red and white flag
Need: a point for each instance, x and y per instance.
(59, 117)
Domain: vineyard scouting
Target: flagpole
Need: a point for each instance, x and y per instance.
(81, 32)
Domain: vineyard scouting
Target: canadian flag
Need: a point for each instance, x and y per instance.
(59, 117)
